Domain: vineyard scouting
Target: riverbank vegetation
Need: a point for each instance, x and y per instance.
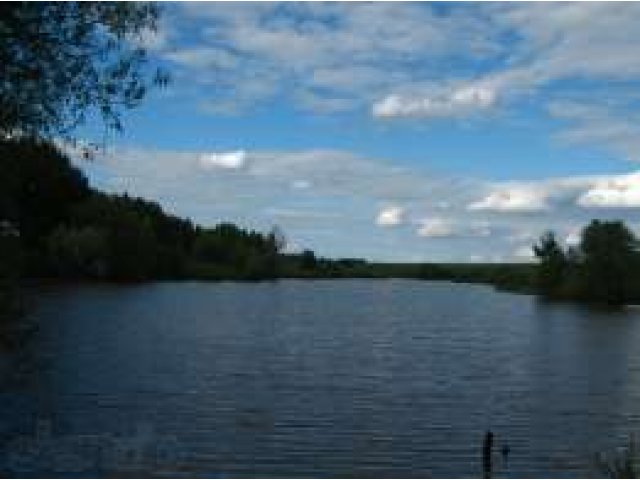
(62, 62)
(56, 226)
(67, 230)
(602, 268)
(62, 228)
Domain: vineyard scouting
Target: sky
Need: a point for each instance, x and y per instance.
(389, 131)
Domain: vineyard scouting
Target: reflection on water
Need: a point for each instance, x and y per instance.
(318, 378)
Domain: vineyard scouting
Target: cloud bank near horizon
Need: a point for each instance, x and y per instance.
(342, 204)
(337, 121)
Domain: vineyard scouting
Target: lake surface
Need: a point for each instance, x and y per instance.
(384, 378)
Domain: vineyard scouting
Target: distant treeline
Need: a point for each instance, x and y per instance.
(54, 225)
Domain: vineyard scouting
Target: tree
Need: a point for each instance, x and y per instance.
(609, 251)
(308, 260)
(132, 247)
(553, 264)
(63, 60)
(277, 239)
(10, 268)
(38, 189)
(78, 252)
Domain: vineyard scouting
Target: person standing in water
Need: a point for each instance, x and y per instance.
(487, 451)
(505, 453)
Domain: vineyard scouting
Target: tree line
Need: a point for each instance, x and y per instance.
(55, 225)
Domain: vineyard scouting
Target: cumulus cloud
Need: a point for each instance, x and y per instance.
(620, 191)
(461, 101)
(593, 43)
(390, 216)
(615, 192)
(515, 198)
(225, 160)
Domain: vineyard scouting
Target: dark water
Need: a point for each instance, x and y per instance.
(325, 378)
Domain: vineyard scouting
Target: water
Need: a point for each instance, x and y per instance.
(384, 378)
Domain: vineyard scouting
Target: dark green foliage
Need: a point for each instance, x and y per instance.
(610, 260)
(228, 251)
(508, 276)
(78, 252)
(602, 269)
(10, 268)
(38, 188)
(62, 60)
(132, 247)
(308, 260)
(68, 230)
(553, 264)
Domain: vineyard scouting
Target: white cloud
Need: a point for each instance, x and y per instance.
(436, 228)
(614, 192)
(330, 209)
(620, 191)
(572, 239)
(460, 101)
(300, 184)
(593, 44)
(390, 216)
(427, 63)
(346, 54)
(226, 160)
(513, 198)
(524, 253)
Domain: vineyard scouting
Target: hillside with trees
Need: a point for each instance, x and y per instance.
(65, 229)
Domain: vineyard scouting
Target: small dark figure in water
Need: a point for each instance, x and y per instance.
(487, 450)
(505, 452)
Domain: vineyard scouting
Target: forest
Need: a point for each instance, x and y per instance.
(56, 226)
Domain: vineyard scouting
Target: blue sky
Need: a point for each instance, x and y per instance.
(390, 131)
